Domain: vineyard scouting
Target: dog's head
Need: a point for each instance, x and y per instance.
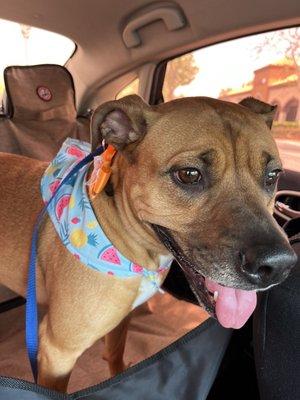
(201, 174)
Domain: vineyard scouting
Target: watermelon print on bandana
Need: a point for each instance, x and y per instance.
(76, 224)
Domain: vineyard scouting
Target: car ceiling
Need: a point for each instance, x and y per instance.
(96, 27)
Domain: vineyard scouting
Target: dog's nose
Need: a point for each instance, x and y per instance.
(267, 265)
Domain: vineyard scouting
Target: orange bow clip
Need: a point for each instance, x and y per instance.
(104, 173)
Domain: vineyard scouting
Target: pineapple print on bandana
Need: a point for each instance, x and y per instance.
(75, 222)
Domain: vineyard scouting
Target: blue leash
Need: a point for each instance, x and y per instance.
(31, 323)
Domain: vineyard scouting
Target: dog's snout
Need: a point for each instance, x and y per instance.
(266, 265)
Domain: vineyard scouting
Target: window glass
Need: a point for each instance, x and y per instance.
(26, 45)
(131, 88)
(265, 66)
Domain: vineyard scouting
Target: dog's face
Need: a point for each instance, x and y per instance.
(202, 174)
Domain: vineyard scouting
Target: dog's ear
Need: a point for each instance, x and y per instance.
(267, 111)
(120, 122)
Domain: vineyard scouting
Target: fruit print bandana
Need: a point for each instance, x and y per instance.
(76, 224)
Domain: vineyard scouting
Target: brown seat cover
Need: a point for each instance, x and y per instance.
(41, 111)
(41, 114)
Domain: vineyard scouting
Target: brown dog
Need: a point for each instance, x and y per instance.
(194, 177)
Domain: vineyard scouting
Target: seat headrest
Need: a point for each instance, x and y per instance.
(40, 92)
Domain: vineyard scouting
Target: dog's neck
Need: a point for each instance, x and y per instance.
(131, 237)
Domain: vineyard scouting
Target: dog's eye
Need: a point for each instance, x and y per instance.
(272, 177)
(188, 176)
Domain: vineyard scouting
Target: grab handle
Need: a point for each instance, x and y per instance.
(171, 16)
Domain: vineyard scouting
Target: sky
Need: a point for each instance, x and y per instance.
(228, 65)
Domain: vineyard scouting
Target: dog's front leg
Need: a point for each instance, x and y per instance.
(63, 340)
(82, 308)
(56, 358)
(114, 347)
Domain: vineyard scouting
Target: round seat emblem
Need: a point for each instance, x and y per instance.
(44, 93)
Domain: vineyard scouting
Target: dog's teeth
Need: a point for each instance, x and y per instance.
(216, 294)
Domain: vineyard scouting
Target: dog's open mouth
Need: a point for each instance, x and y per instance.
(232, 307)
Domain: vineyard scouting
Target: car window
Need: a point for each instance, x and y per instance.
(265, 66)
(26, 45)
(131, 88)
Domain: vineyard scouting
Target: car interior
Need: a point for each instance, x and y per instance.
(160, 50)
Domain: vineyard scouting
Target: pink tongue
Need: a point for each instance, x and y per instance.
(233, 306)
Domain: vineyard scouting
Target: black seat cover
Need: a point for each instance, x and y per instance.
(184, 370)
(277, 333)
